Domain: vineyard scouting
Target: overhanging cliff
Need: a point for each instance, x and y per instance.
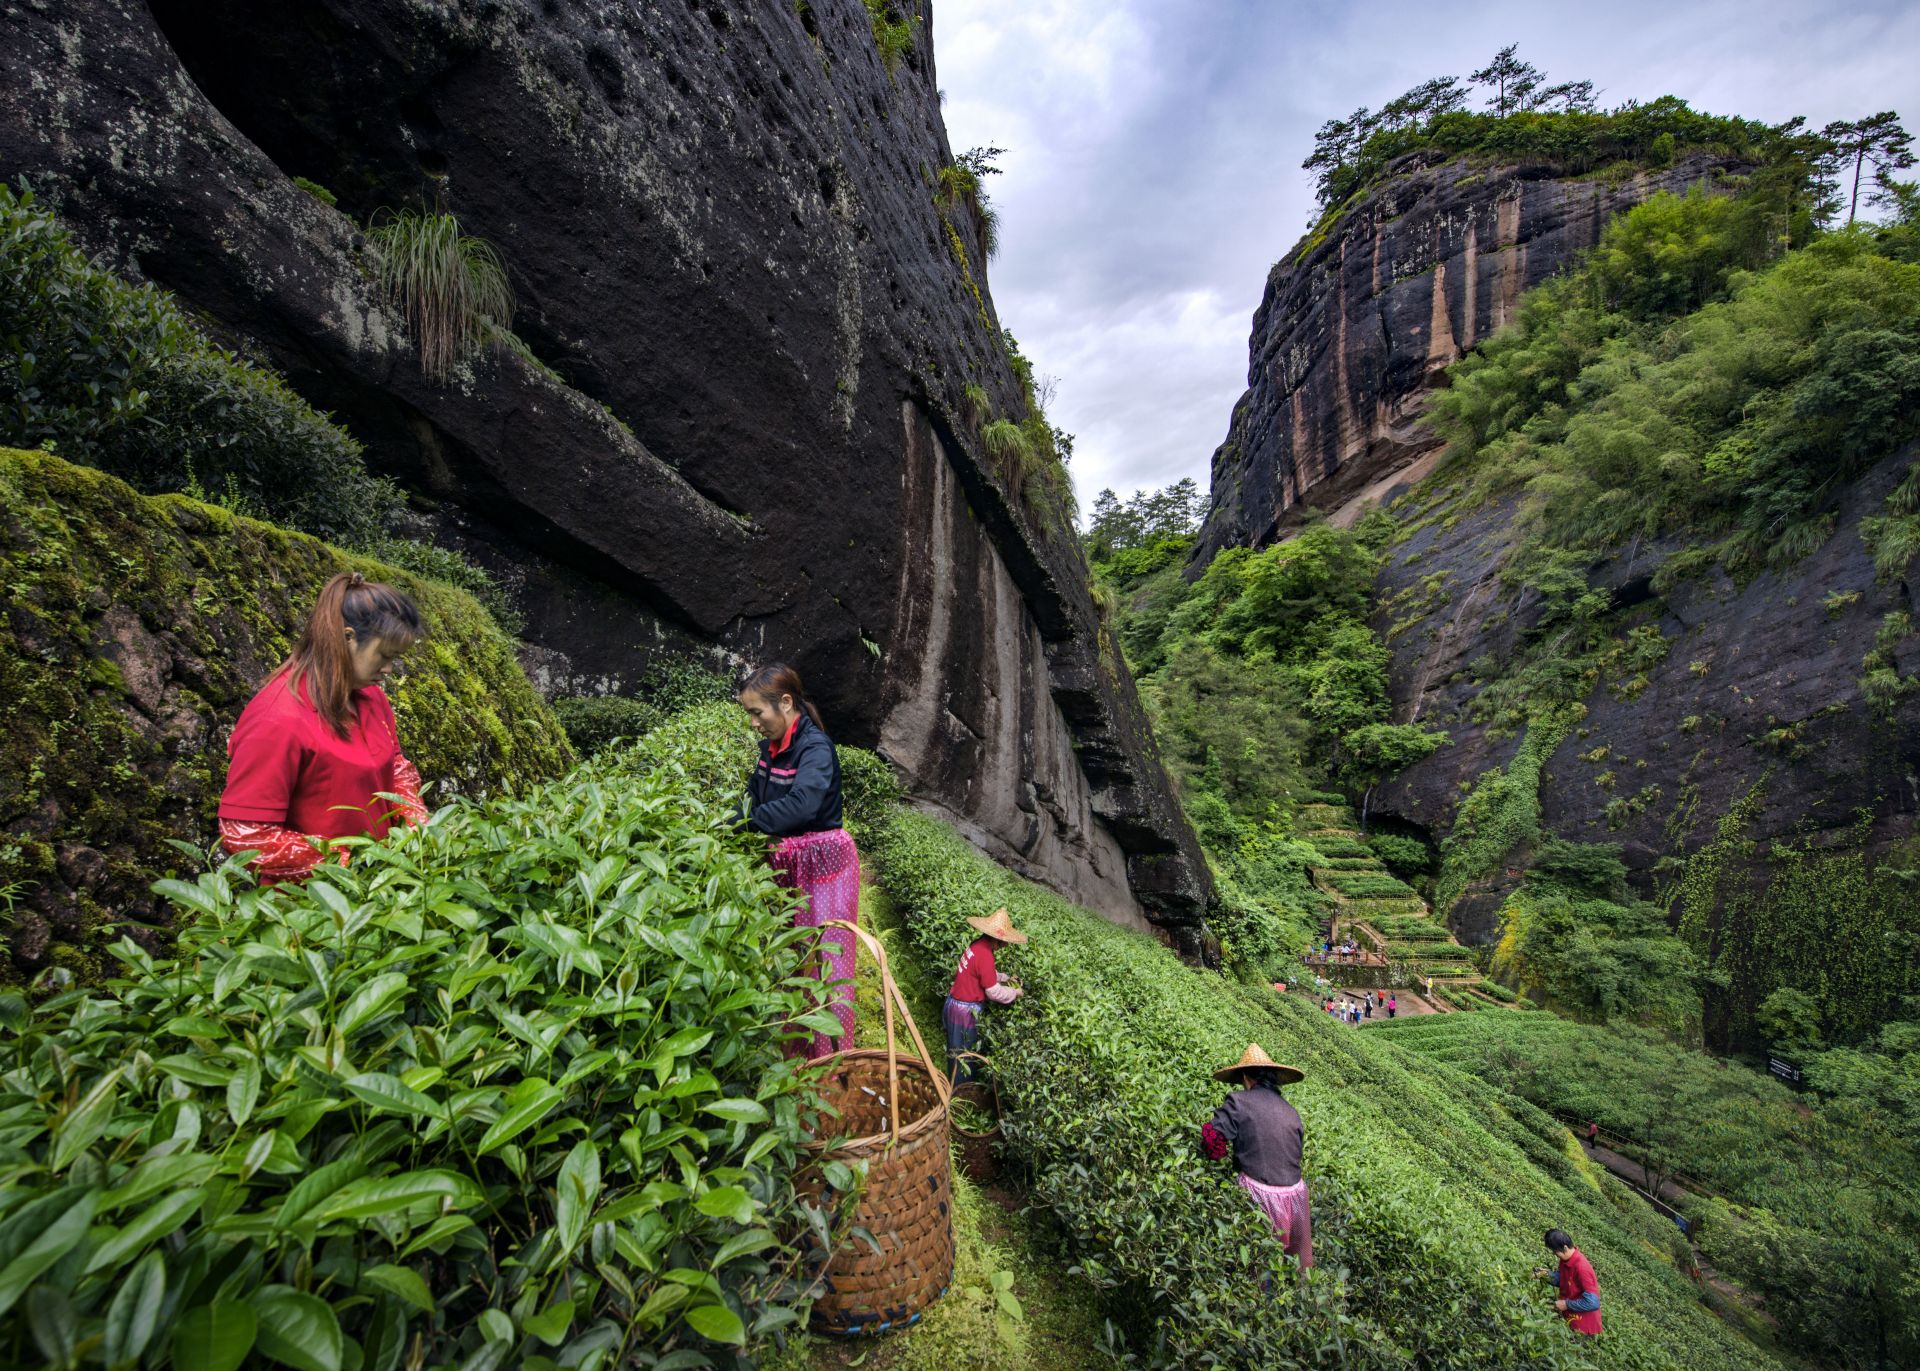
(753, 327)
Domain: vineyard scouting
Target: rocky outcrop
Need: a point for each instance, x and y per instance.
(1360, 319)
(1755, 684)
(739, 424)
(132, 630)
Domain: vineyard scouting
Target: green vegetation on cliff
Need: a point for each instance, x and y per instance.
(135, 629)
(1268, 691)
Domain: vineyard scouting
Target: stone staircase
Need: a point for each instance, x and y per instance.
(1380, 912)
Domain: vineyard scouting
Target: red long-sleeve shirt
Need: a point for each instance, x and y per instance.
(291, 780)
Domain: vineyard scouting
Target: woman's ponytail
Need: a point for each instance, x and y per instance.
(321, 664)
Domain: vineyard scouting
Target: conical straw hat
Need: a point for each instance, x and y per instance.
(998, 925)
(1256, 1059)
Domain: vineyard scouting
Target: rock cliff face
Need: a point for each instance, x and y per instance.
(753, 326)
(1360, 319)
(1757, 685)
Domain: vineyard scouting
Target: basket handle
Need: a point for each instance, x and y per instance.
(889, 996)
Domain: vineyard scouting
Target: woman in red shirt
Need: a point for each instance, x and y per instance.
(318, 743)
(975, 983)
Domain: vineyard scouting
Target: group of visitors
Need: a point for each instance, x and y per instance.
(1347, 1009)
(1327, 950)
(316, 757)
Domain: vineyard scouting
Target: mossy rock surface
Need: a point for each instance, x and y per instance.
(135, 628)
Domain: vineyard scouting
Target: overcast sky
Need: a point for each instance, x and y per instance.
(1152, 173)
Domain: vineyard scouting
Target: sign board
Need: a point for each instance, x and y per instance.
(1784, 1069)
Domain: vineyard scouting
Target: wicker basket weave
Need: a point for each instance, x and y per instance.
(893, 1109)
(975, 1147)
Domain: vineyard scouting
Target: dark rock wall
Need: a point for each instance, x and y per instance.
(1359, 320)
(1759, 686)
(719, 224)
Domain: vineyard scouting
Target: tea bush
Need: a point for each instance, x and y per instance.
(1806, 1175)
(506, 1090)
(594, 722)
(1431, 1189)
(118, 377)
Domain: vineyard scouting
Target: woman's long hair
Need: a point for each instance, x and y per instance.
(775, 679)
(322, 661)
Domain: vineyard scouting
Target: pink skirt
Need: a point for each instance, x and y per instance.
(1287, 1209)
(825, 869)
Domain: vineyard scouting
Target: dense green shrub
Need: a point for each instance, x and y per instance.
(869, 789)
(594, 722)
(1405, 855)
(507, 1090)
(117, 377)
(1430, 1189)
(439, 563)
(1745, 417)
(1808, 1183)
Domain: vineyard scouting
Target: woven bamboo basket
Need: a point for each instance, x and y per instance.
(893, 1110)
(975, 1146)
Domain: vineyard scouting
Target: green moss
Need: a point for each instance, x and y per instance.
(135, 629)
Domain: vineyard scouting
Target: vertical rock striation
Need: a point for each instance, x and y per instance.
(1358, 321)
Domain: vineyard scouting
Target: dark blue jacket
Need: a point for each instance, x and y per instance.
(798, 789)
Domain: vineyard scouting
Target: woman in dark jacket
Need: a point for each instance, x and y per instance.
(794, 798)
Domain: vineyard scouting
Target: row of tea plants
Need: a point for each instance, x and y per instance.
(1431, 1189)
(507, 1090)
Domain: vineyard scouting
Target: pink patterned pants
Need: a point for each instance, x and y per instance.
(825, 869)
(1286, 1208)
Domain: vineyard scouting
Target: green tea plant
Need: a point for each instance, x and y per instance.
(1798, 1178)
(506, 1090)
(116, 376)
(1430, 1188)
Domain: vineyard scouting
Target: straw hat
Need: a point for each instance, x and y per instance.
(1254, 1059)
(998, 925)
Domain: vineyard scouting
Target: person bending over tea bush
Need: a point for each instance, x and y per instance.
(975, 982)
(1267, 1141)
(1579, 1301)
(793, 797)
(318, 746)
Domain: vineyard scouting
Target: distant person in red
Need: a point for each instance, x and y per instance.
(977, 982)
(1579, 1302)
(317, 746)
(1593, 1132)
(1263, 1134)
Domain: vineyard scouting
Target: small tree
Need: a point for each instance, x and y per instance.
(1573, 97)
(1878, 142)
(1513, 81)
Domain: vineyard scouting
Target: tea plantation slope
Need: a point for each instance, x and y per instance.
(134, 630)
(508, 1091)
(1431, 1190)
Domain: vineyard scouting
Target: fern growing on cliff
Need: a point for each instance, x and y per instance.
(452, 287)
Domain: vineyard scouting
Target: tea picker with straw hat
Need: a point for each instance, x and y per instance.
(1264, 1135)
(976, 983)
